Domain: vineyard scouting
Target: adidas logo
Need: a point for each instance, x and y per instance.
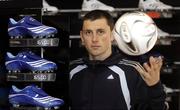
(110, 77)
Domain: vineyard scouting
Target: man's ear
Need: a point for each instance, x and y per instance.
(81, 36)
(112, 37)
(113, 40)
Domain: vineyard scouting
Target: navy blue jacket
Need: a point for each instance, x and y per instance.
(112, 84)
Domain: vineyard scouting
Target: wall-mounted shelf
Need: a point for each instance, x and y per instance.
(26, 108)
(30, 42)
(31, 77)
(170, 36)
(117, 11)
(167, 40)
(30, 108)
(169, 67)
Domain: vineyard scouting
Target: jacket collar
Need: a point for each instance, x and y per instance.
(114, 58)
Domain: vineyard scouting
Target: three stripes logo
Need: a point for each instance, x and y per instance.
(39, 29)
(38, 63)
(46, 99)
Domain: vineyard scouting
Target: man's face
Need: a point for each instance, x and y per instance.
(96, 36)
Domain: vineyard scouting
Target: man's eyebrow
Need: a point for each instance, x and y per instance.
(100, 29)
(87, 30)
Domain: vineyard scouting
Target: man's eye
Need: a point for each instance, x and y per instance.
(88, 33)
(101, 32)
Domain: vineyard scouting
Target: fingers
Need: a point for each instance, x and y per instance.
(147, 67)
(151, 73)
(156, 62)
(160, 59)
(142, 72)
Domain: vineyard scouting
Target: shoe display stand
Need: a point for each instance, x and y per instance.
(38, 44)
(35, 76)
(29, 43)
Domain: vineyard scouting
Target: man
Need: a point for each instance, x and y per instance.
(104, 80)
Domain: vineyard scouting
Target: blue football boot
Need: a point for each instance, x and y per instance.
(27, 60)
(29, 26)
(33, 96)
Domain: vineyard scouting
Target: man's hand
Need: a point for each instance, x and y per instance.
(151, 71)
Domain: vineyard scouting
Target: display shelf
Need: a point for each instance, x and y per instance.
(30, 42)
(176, 8)
(167, 70)
(153, 13)
(28, 77)
(30, 108)
(82, 13)
(116, 10)
(114, 13)
(174, 35)
(170, 36)
(26, 108)
(169, 67)
(74, 37)
(167, 40)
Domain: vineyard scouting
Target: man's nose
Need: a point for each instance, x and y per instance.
(94, 37)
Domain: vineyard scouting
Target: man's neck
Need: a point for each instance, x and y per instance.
(100, 57)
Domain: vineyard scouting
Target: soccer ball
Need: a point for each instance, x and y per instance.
(135, 33)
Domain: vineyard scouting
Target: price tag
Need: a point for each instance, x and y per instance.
(40, 77)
